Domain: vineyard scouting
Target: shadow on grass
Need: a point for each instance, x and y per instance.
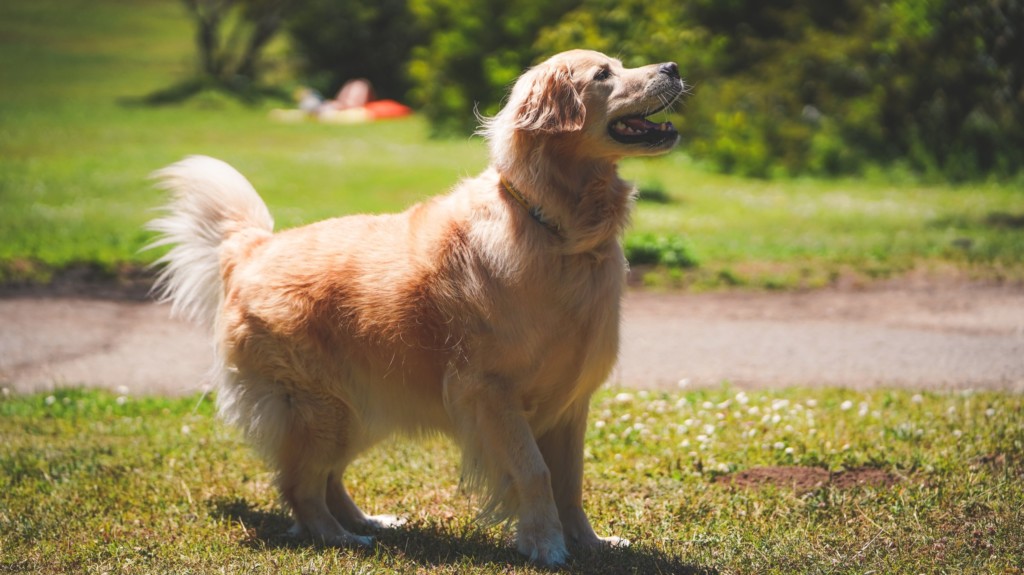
(438, 545)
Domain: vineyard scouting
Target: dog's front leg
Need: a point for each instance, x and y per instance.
(562, 447)
(494, 425)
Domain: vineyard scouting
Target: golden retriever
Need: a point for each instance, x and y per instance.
(490, 313)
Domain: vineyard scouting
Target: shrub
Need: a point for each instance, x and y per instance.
(650, 249)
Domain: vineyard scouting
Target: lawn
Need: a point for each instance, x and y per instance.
(920, 483)
(76, 149)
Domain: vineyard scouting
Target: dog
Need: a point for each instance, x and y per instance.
(490, 314)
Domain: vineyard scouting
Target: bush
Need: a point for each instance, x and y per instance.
(339, 40)
(793, 87)
(650, 249)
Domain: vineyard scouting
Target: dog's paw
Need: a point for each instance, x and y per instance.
(548, 550)
(613, 541)
(593, 543)
(378, 522)
(335, 539)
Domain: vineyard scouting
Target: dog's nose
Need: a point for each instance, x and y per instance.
(670, 69)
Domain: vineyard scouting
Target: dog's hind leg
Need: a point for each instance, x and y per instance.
(348, 513)
(314, 439)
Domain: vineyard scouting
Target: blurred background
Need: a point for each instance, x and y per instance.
(823, 142)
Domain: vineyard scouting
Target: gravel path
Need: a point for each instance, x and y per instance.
(949, 337)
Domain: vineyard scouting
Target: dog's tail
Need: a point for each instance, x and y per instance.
(210, 202)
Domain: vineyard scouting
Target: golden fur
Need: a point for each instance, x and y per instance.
(462, 315)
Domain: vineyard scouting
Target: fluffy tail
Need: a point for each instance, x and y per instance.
(210, 201)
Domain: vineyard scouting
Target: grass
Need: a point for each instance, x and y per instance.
(75, 153)
(91, 482)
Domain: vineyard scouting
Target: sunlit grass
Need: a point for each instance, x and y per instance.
(76, 152)
(93, 482)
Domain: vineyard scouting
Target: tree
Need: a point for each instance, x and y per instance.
(233, 58)
(339, 40)
(475, 50)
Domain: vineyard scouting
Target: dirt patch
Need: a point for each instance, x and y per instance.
(863, 477)
(805, 479)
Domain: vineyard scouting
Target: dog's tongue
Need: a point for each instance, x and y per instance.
(640, 124)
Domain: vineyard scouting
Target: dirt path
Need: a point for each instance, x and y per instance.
(950, 337)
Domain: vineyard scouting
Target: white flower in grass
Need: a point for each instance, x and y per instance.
(846, 405)
(707, 405)
(185, 430)
(742, 399)
(779, 445)
(789, 451)
(957, 433)
(121, 400)
(50, 400)
(624, 398)
(723, 467)
(684, 443)
(918, 398)
(990, 412)
(599, 424)
(811, 403)
(754, 410)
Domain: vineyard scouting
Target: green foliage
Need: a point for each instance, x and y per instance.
(475, 50)
(651, 249)
(339, 40)
(231, 37)
(798, 87)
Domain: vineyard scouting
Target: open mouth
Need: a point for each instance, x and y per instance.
(640, 130)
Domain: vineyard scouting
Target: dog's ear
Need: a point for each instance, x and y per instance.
(548, 102)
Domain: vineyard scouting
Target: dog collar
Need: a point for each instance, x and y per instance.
(534, 211)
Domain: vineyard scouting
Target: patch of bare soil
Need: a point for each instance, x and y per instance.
(805, 479)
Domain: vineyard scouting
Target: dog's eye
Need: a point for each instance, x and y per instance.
(603, 74)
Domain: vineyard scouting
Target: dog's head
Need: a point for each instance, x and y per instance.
(590, 101)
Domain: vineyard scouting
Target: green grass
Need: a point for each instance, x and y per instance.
(92, 483)
(75, 154)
